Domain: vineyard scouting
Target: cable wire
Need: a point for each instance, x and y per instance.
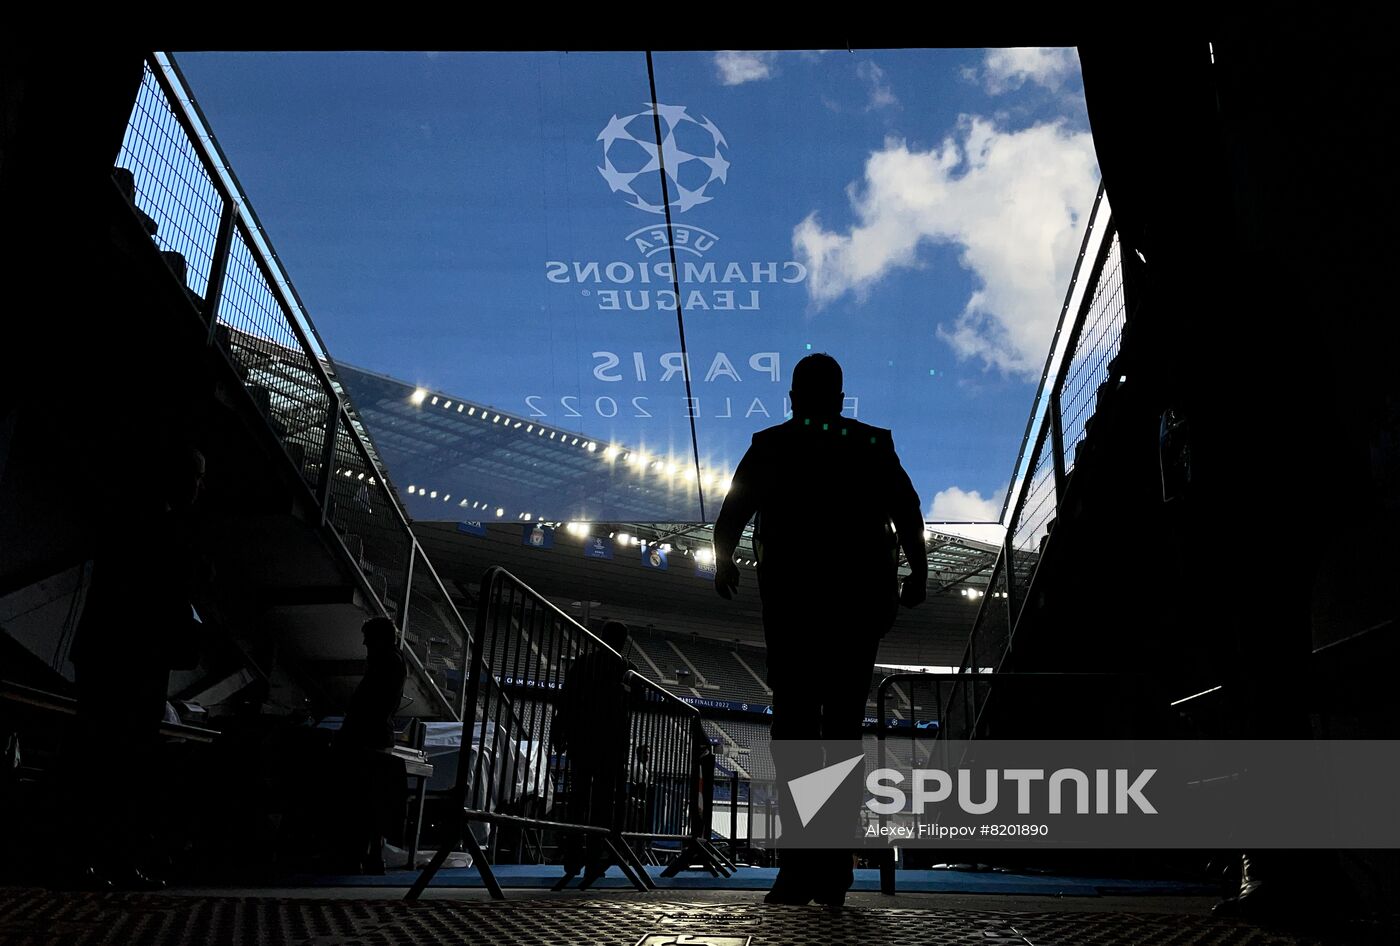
(676, 285)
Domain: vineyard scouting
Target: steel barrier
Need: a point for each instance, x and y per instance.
(567, 739)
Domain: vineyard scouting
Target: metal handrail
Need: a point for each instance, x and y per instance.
(1044, 431)
(942, 736)
(1054, 349)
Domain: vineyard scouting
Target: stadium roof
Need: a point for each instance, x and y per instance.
(453, 458)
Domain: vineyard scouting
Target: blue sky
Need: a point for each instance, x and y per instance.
(916, 213)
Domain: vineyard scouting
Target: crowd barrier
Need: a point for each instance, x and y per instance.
(607, 763)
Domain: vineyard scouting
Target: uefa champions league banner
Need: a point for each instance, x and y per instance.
(486, 235)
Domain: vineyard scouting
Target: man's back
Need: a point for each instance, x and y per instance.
(825, 495)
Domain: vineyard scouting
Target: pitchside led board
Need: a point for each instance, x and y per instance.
(490, 230)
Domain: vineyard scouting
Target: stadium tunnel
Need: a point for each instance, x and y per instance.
(1200, 534)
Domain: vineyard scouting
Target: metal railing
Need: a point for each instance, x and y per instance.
(561, 736)
(946, 717)
(1076, 375)
(745, 809)
(191, 203)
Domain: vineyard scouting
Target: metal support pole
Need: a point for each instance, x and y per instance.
(1057, 446)
(323, 490)
(886, 857)
(1008, 557)
(734, 813)
(223, 244)
(402, 617)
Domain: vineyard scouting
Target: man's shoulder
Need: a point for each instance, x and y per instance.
(793, 425)
(880, 435)
(774, 434)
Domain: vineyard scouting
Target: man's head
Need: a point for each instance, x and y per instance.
(379, 633)
(816, 387)
(614, 634)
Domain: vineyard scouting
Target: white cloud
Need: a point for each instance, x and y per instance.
(881, 95)
(736, 68)
(1005, 70)
(1013, 203)
(959, 505)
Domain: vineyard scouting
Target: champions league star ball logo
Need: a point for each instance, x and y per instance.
(690, 147)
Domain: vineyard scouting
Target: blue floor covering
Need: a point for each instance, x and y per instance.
(761, 878)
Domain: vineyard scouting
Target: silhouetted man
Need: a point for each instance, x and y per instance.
(137, 624)
(591, 726)
(832, 507)
(362, 745)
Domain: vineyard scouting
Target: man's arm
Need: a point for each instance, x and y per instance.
(740, 504)
(907, 512)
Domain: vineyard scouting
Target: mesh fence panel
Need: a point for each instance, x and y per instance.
(172, 186)
(993, 628)
(363, 512)
(1032, 525)
(277, 371)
